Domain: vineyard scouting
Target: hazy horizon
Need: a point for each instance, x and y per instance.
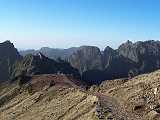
(32, 24)
(24, 49)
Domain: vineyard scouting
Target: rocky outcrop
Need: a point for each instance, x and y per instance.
(86, 58)
(8, 56)
(145, 54)
(116, 65)
(96, 66)
(142, 94)
(130, 58)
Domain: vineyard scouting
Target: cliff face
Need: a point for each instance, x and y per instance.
(96, 66)
(116, 65)
(136, 58)
(86, 58)
(145, 54)
(8, 56)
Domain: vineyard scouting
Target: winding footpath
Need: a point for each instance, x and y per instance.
(117, 111)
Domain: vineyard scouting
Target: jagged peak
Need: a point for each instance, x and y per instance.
(7, 43)
(40, 55)
(108, 48)
(129, 42)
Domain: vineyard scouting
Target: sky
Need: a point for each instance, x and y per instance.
(66, 23)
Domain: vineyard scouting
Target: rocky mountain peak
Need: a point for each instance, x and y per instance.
(86, 58)
(8, 56)
(109, 50)
(146, 54)
(7, 43)
(40, 55)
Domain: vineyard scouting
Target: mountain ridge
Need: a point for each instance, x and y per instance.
(94, 65)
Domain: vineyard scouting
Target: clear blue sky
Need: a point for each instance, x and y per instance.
(66, 23)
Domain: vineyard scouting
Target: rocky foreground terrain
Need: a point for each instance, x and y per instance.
(139, 96)
(61, 97)
(46, 97)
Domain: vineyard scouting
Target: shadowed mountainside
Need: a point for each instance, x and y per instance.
(8, 56)
(129, 59)
(39, 64)
(145, 54)
(96, 66)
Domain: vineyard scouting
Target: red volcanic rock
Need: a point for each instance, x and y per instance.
(40, 82)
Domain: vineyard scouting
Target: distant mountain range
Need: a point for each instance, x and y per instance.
(93, 65)
(52, 53)
(13, 65)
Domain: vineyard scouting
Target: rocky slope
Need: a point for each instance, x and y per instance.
(138, 96)
(8, 56)
(62, 97)
(39, 99)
